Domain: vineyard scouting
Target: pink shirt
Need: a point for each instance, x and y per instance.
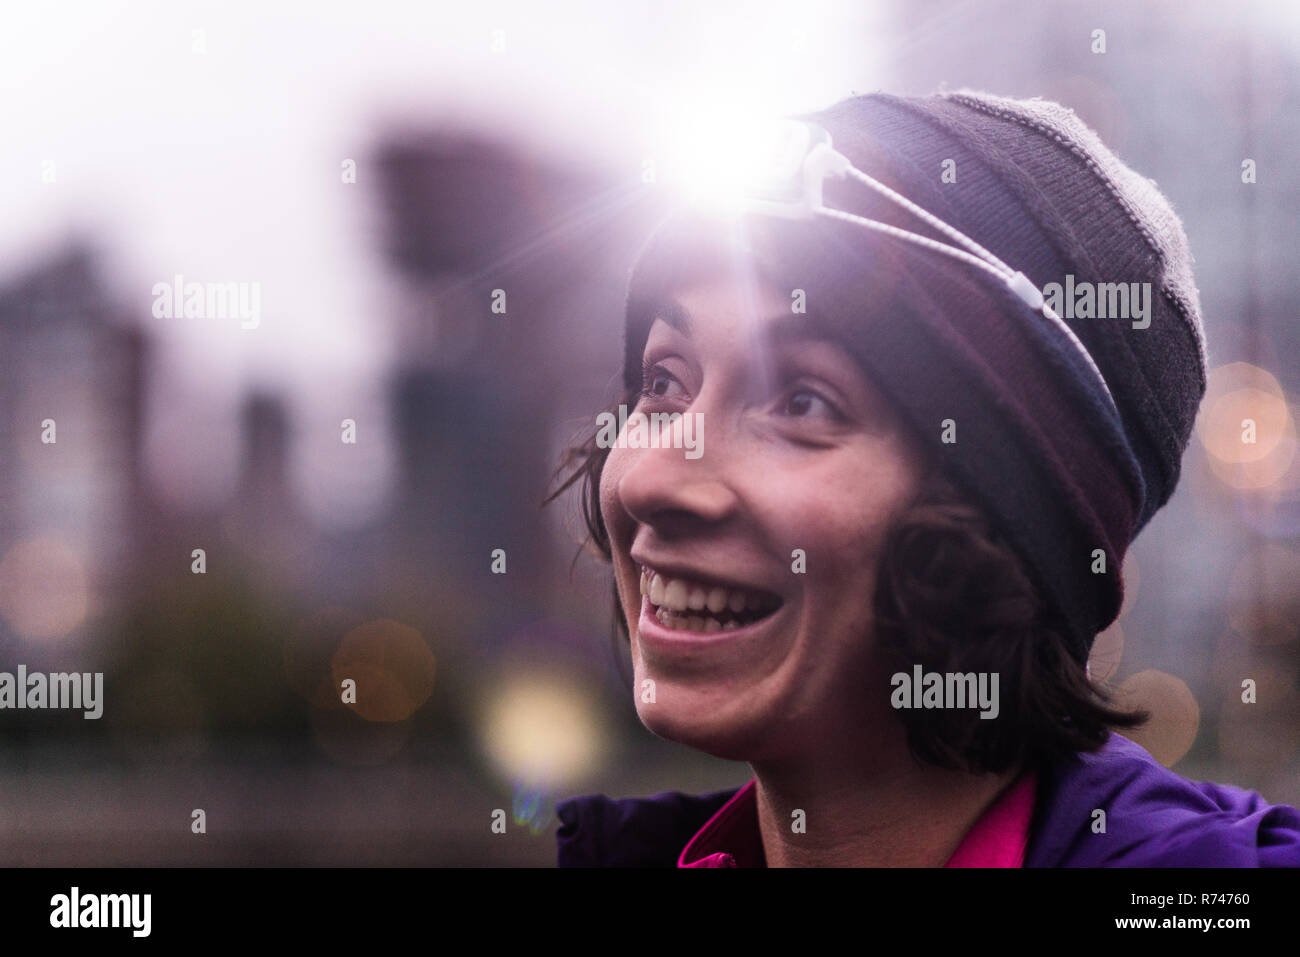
(731, 837)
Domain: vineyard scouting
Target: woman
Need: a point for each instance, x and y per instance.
(878, 579)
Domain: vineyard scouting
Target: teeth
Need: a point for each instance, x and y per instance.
(679, 622)
(673, 598)
(675, 595)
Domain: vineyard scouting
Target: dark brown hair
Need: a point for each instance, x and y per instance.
(954, 598)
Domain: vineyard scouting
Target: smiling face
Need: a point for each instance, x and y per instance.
(751, 657)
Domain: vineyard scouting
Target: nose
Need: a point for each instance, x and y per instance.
(664, 489)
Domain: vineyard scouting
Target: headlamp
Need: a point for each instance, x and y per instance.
(787, 179)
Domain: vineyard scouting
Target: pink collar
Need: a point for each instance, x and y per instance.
(731, 837)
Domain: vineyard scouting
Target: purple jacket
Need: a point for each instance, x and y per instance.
(1154, 818)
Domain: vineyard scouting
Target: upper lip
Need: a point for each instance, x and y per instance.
(672, 569)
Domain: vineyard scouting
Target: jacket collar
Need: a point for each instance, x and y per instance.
(731, 837)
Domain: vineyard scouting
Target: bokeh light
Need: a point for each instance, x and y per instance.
(1175, 715)
(44, 588)
(542, 729)
(1235, 392)
(392, 666)
(1246, 426)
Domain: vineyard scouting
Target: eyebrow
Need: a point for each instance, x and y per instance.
(674, 313)
(780, 328)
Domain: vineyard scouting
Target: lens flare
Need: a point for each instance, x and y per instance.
(719, 161)
(533, 806)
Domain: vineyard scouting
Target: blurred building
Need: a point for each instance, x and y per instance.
(514, 270)
(71, 404)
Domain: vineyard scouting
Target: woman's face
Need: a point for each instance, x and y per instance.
(746, 569)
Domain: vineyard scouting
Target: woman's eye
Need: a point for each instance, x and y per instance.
(658, 383)
(804, 403)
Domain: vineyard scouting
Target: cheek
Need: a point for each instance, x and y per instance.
(841, 515)
(611, 511)
(619, 527)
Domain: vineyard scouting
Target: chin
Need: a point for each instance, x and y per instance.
(731, 738)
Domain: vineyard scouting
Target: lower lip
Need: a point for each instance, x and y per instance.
(653, 633)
